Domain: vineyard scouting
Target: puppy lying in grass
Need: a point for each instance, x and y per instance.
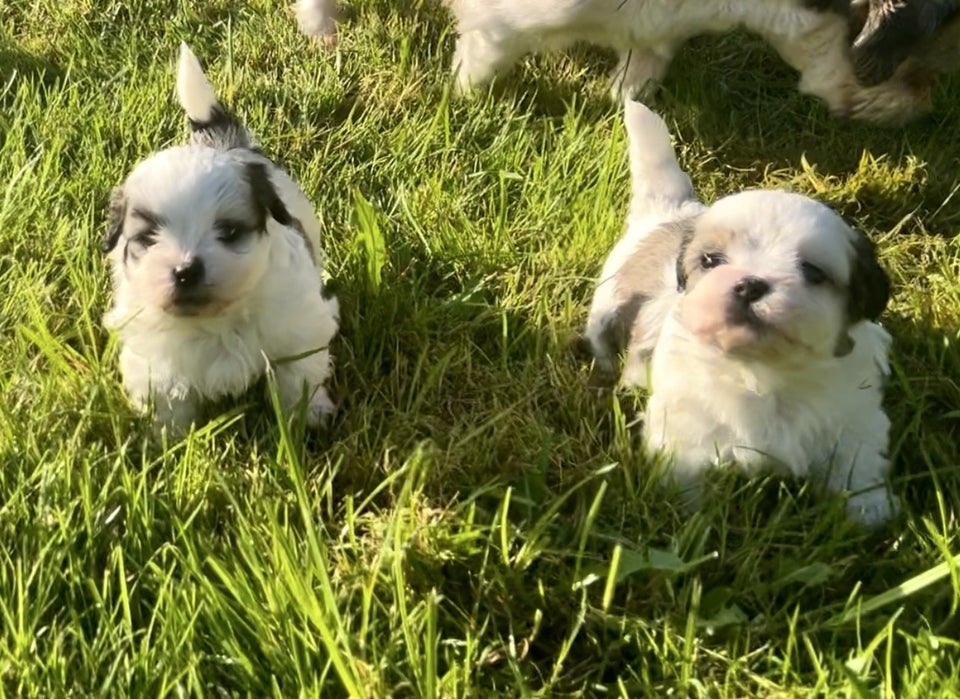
(216, 261)
(751, 322)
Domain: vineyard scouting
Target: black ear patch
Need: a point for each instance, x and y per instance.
(869, 285)
(116, 213)
(267, 200)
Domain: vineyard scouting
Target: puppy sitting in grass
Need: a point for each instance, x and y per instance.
(216, 262)
(751, 322)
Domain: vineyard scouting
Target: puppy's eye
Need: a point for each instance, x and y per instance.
(709, 260)
(813, 274)
(145, 238)
(231, 232)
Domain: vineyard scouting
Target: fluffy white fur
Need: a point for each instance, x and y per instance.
(318, 18)
(494, 34)
(791, 380)
(258, 300)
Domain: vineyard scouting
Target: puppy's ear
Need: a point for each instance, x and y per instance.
(116, 213)
(265, 196)
(868, 291)
(869, 285)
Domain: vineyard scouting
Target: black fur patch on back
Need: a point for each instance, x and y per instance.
(221, 131)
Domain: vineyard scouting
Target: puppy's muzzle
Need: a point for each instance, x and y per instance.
(744, 294)
(189, 292)
(750, 289)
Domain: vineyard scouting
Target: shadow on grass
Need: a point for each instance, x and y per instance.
(745, 120)
(19, 65)
(923, 401)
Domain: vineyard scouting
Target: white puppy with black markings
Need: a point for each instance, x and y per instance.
(217, 274)
(813, 36)
(751, 322)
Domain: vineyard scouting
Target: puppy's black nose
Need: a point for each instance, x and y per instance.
(750, 289)
(188, 274)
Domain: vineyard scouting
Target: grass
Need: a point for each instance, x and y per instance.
(476, 522)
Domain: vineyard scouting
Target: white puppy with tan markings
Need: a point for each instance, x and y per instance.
(216, 263)
(751, 323)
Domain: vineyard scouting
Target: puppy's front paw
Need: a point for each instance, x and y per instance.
(328, 42)
(175, 415)
(318, 19)
(479, 57)
(320, 410)
(872, 507)
(691, 495)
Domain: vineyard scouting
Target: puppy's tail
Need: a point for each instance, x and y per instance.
(210, 123)
(657, 182)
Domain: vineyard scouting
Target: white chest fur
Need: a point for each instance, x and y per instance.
(708, 408)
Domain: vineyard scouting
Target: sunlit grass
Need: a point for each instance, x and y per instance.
(477, 521)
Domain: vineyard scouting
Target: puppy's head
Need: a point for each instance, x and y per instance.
(187, 230)
(777, 276)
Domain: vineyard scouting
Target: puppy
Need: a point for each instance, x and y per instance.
(750, 322)
(810, 35)
(318, 18)
(215, 255)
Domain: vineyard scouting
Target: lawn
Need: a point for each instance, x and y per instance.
(476, 521)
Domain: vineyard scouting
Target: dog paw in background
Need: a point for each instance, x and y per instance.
(217, 274)
(318, 19)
